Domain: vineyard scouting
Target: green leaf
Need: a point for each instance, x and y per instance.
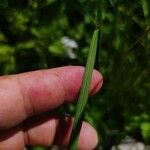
(84, 92)
(80, 109)
(146, 6)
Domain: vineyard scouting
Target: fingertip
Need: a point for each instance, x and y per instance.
(96, 83)
(88, 138)
(73, 76)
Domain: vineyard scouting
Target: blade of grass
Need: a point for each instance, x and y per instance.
(84, 92)
(79, 114)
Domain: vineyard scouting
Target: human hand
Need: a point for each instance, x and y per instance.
(24, 100)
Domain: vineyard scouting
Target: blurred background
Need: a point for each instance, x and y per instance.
(38, 34)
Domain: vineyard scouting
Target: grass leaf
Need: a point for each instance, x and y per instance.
(79, 114)
(84, 92)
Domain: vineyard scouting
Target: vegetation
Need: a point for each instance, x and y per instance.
(33, 35)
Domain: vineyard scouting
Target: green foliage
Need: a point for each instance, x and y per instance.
(38, 148)
(30, 38)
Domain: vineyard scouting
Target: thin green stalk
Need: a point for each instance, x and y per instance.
(146, 13)
(84, 92)
(99, 26)
(99, 14)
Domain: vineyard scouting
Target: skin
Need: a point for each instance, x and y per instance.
(26, 101)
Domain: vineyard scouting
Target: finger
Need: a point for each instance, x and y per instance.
(45, 132)
(58, 131)
(35, 92)
(12, 139)
(88, 138)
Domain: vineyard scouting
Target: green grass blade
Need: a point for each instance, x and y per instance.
(97, 61)
(84, 92)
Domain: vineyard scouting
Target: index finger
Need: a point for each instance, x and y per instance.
(28, 94)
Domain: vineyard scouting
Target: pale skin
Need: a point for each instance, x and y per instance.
(26, 99)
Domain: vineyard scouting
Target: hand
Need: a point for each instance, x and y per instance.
(24, 100)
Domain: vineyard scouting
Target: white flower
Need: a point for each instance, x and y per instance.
(69, 44)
